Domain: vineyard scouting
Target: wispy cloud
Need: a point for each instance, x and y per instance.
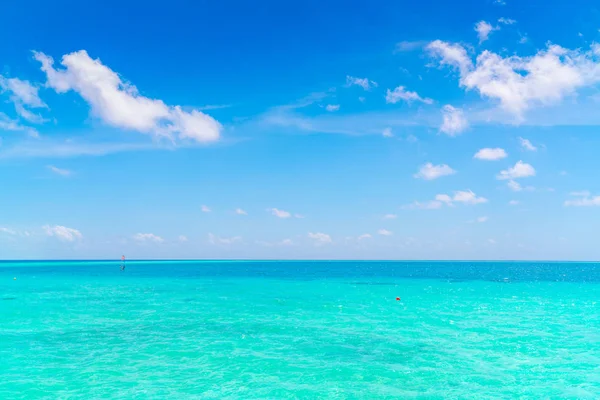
(205, 208)
(147, 237)
(59, 171)
(364, 83)
(400, 93)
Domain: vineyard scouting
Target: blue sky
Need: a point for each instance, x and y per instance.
(380, 130)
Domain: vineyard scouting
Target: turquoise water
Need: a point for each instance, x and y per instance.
(299, 330)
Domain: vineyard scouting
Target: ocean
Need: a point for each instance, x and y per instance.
(299, 330)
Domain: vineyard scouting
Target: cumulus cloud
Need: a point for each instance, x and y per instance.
(332, 107)
(454, 121)
(490, 154)
(239, 211)
(364, 83)
(520, 170)
(483, 30)
(482, 219)
(390, 216)
(520, 83)
(63, 233)
(147, 237)
(24, 95)
(205, 208)
(526, 145)
(400, 93)
(59, 171)
(182, 238)
(468, 197)
(429, 171)
(384, 232)
(119, 103)
(364, 236)
(320, 238)
(513, 202)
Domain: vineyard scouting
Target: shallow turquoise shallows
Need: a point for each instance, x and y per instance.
(299, 330)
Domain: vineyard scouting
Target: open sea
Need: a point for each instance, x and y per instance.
(299, 330)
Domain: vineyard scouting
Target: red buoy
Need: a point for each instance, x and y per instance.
(397, 298)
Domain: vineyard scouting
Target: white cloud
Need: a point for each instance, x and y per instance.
(63, 233)
(120, 104)
(519, 83)
(513, 202)
(365, 236)
(490, 154)
(320, 238)
(7, 230)
(59, 171)
(482, 219)
(583, 199)
(7, 124)
(182, 238)
(385, 232)
(390, 216)
(214, 239)
(466, 197)
(520, 170)
(526, 144)
(361, 99)
(506, 21)
(332, 107)
(147, 237)
(453, 55)
(239, 211)
(410, 45)
(279, 213)
(500, 2)
(299, 216)
(583, 193)
(400, 93)
(205, 208)
(429, 171)
(411, 139)
(429, 205)
(483, 30)
(286, 242)
(23, 94)
(491, 241)
(454, 121)
(387, 132)
(365, 83)
(514, 186)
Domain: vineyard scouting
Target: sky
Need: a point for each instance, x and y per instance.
(300, 130)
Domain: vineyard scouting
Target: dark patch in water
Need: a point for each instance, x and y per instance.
(9, 298)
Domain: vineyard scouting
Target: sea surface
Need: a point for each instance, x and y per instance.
(299, 330)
